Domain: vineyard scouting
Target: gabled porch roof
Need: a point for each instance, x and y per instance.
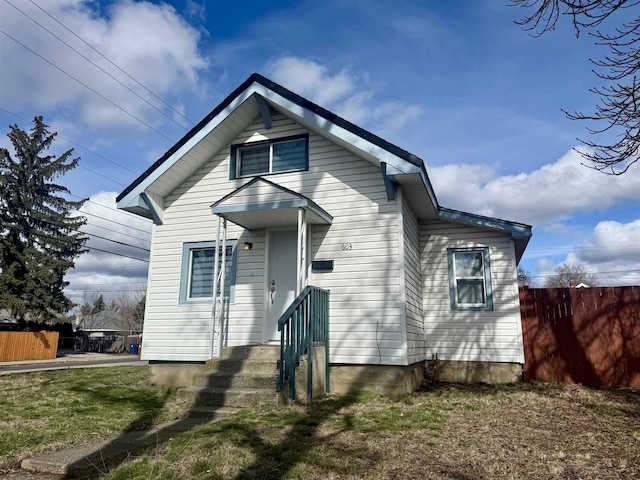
(260, 203)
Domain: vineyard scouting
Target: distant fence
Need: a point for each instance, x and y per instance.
(15, 346)
(582, 335)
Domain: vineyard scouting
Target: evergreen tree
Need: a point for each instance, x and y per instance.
(99, 305)
(39, 238)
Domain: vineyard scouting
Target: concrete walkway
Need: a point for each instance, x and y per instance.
(79, 461)
(95, 457)
(71, 359)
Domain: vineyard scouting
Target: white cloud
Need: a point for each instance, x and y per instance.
(548, 195)
(611, 253)
(151, 42)
(612, 242)
(345, 93)
(310, 79)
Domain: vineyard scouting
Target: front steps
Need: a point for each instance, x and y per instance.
(242, 376)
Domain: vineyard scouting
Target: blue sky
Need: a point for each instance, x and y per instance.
(456, 83)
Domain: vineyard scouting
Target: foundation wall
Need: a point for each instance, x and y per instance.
(381, 379)
(473, 372)
(319, 376)
(174, 374)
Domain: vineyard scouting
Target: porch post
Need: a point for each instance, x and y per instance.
(217, 309)
(214, 297)
(222, 274)
(302, 251)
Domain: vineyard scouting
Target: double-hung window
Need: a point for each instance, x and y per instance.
(470, 279)
(196, 279)
(277, 156)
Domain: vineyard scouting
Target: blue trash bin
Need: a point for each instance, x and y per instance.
(133, 348)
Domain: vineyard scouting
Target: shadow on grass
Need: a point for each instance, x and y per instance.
(272, 459)
(300, 435)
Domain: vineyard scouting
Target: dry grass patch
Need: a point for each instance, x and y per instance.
(448, 432)
(524, 431)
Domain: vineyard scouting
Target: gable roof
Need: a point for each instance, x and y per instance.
(258, 79)
(222, 125)
(260, 203)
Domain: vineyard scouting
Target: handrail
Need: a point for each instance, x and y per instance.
(304, 324)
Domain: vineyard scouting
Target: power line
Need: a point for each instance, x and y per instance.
(88, 87)
(75, 144)
(111, 62)
(115, 241)
(96, 65)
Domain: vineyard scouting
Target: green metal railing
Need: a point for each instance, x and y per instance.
(302, 326)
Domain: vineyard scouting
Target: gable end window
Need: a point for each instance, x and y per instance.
(470, 279)
(289, 154)
(196, 277)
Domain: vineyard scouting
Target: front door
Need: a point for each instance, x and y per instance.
(281, 280)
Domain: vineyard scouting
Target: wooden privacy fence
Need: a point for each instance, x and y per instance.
(582, 335)
(16, 346)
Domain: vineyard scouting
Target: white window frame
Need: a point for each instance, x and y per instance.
(187, 271)
(487, 305)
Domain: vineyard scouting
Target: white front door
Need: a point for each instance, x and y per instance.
(281, 279)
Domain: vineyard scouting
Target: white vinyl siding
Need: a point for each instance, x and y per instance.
(413, 285)
(490, 336)
(366, 315)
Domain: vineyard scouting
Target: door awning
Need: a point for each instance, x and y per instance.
(260, 203)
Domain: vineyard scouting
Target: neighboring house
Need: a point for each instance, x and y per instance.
(104, 323)
(7, 322)
(305, 197)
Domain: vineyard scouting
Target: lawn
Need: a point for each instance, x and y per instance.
(523, 431)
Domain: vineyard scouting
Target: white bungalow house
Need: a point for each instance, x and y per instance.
(296, 196)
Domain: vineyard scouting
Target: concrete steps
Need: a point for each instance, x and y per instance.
(242, 376)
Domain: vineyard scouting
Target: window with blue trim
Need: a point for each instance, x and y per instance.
(289, 154)
(196, 279)
(470, 279)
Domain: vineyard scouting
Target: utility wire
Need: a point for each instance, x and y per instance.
(75, 144)
(87, 247)
(115, 241)
(98, 66)
(111, 62)
(88, 87)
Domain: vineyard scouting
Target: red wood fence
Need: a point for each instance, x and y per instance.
(15, 346)
(584, 335)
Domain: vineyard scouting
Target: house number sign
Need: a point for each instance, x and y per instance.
(347, 246)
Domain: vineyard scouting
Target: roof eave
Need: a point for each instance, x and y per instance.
(366, 141)
(520, 233)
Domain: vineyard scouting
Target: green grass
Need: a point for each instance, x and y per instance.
(492, 432)
(56, 408)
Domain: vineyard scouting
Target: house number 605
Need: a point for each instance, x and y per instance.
(347, 246)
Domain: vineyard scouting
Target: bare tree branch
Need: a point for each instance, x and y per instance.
(617, 111)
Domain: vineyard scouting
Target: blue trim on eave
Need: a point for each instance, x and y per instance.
(265, 112)
(388, 183)
(291, 96)
(520, 233)
(517, 230)
(154, 214)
